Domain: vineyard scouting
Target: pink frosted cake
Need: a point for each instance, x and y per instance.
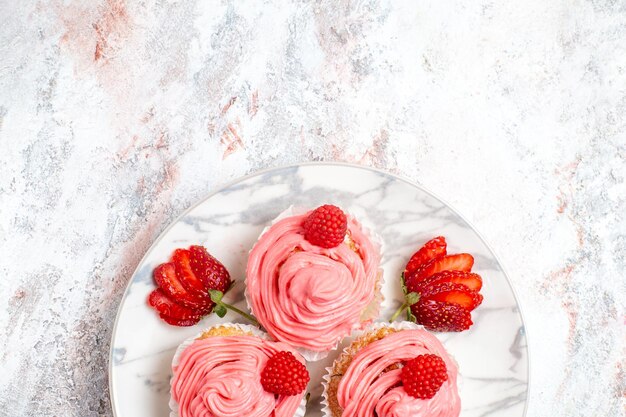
(220, 373)
(311, 296)
(373, 377)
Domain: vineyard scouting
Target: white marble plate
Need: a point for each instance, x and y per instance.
(492, 355)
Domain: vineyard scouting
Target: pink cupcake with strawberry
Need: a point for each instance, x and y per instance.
(313, 277)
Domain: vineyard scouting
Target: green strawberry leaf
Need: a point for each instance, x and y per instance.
(216, 296)
(220, 310)
(412, 298)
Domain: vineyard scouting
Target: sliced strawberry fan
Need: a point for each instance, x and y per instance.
(440, 289)
(183, 295)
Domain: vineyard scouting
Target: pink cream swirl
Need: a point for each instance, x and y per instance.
(221, 376)
(366, 391)
(308, 296)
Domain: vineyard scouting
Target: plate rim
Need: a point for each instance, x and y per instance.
(263, 171)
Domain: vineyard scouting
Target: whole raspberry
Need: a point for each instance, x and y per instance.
(284, 375)
(326, 226)
(423, 375)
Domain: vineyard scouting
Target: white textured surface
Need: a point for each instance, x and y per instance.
(115, 117)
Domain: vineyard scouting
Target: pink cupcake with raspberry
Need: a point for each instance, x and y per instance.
(235, 370)
(393, 370)
(313, 277)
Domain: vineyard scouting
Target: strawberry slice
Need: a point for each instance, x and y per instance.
(185, 274)
(209, 270)
(431, 249)
(440, 316)
(470, 280)
(172, 312)
(453, 293)
(166, 277)
(458, 262)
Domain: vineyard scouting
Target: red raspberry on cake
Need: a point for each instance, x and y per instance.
(326, 226)
(284, 375)
(424, 375)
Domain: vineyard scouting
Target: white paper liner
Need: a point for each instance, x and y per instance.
(370, 312)
(397, 325)
(247, 328)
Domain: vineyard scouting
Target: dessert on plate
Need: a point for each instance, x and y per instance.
(313, 277)
(235, 370)
(393, 370)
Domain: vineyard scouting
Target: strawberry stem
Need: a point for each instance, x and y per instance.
(220, 306)
(243, 313)
(399, 311)
(409, 299)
